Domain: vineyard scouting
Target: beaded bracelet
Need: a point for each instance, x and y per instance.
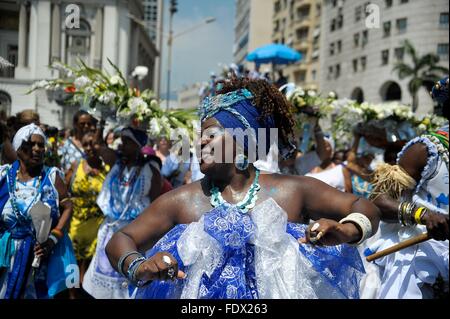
(123, 258)
(132, 268)
(53, 238)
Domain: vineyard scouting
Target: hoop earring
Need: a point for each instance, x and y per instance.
(241, 162)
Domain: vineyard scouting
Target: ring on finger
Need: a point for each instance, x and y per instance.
(171, 272)
(316, 238)
(166, 259)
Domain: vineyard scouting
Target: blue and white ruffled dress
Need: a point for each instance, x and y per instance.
(229, 254)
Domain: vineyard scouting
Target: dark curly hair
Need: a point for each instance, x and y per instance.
(268, 99)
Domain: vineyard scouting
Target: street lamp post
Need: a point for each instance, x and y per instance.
(173, 9)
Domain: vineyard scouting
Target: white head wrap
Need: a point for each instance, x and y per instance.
(24, 134)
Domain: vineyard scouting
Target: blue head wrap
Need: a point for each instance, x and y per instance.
(235, 110)
(440, 91)
(138, 136)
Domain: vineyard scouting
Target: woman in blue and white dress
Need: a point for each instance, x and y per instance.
(128, 189)
(25, 185)
(239, 233)
(414, 198)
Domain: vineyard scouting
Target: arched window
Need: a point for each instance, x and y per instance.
(391, 91)
(5, 103)
(357, 95)
(78, 43)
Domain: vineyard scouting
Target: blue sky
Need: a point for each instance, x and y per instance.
(197, 53)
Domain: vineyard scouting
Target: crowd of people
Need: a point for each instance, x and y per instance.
(141, 222)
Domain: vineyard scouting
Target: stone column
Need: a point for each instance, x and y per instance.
(56, 32)
(98, 38)
(23, 30)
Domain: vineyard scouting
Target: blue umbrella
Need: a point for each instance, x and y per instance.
(275, 54)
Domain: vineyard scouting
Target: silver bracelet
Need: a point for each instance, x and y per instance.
(122, 261)
(53, 239)
(362, 222)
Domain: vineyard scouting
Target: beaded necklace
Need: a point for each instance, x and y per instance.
(246, 204)
(13, 189)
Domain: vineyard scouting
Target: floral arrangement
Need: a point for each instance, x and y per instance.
(97, 91)
(346, 114)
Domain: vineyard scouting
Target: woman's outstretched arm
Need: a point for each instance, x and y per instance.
(328, 206)
(143, 233)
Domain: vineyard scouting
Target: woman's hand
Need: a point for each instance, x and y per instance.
(437, 225)
(161, 266)
(327, 232)
(45, 249)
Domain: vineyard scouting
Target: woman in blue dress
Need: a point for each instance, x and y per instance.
(239, 233)
(26, 186)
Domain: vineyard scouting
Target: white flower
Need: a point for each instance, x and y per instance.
(140, 72)
(89, 91)
(81, 82)
(154, 104)
(136, 104)
(107, 97)
(115, 79)
(312, 93)
(155, 128)
(422, 127)
(332, 95)
(42, 84)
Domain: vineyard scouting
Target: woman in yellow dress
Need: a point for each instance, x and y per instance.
(85, 179)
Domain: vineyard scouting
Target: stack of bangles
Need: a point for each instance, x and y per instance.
(56, 235)
(132, 268)
(410, 215)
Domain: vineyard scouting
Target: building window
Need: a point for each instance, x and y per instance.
(385, 57)
(78, 43)
(443, 20)
(404, 1)
(303, 13)
(5, 103)
(442, 50)
(365, 9)
(355, 65)
(300, 76)
(338, 71)
(339, 46)
(340, 21)
(387, 29)
(277, 7)
(365, 38)
(363, 63)
(333, 25)
(331, 48)
(388, 3)
(358, 13)
(302, 34)
(356, 40)
(314, 75)
(399, 53)
(318, 9)
(402, 24)
(330, 73)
